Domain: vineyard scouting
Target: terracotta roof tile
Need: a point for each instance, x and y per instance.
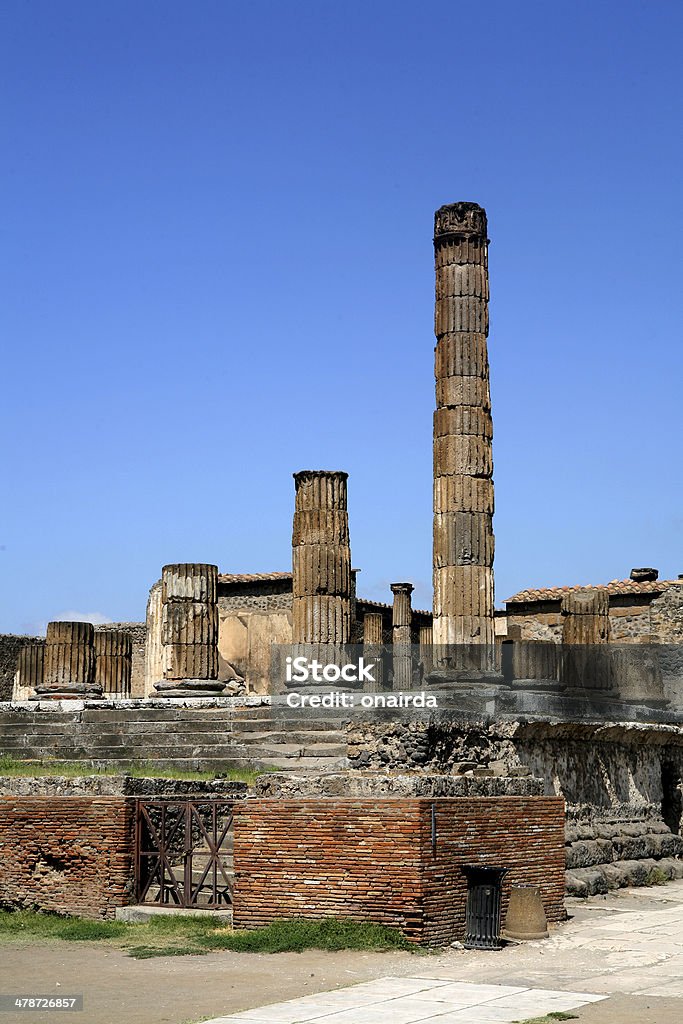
(614, 587)
(252, 577)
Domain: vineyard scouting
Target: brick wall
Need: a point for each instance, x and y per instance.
(373, 860)
(69, 855)
(524, 834)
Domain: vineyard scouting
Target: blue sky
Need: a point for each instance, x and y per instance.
(218, 269)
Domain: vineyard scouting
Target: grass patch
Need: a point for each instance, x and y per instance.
(13, 768)
(175, 935)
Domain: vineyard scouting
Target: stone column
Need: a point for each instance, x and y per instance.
(463, 430)
(401, 620)
(113, 661)
(189, 631)
(69, 662)
(321, 559)
(426, 644)
(373, 649)
(28, 677)
(585, 639)
(535, 665)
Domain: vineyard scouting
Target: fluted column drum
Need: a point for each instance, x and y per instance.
(69, 662)
(322, 586)
(113, 661)
(189, 630)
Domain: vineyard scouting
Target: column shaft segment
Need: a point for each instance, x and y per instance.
(321, 559)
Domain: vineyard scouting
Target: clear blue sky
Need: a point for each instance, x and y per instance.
(218, 269)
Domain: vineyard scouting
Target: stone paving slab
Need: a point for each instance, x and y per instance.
(412, 1000)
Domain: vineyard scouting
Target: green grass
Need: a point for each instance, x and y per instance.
(13, 768)
(174, 935)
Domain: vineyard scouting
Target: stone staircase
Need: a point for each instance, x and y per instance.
(215, 736)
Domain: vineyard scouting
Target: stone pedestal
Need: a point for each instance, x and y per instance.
(401, 619)
(113, 661)
(69, 663)
(463, 463)
(189, 631)
(536, 665)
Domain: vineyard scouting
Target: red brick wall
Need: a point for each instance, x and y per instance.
(70, 855)
(524, 834)
(328, 858)
(373, 860)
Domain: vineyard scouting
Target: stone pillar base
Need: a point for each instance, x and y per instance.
(70, 691)
(190, 688)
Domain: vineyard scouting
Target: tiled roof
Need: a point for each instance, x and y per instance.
(252, 577)
(615, 588)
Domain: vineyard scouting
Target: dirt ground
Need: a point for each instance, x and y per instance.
(627, 946)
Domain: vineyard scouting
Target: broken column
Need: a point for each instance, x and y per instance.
(113, 662)
(585, 639)
(426, 642)
(69, 662)
(373, 650)
(28, 677)
(463, 431)
(321, 559)
(401, 621)
(189, 631)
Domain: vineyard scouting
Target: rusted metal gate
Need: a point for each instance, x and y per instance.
(183, 852)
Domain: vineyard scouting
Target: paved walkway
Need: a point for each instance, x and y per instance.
(630, 942)
(407, 1000)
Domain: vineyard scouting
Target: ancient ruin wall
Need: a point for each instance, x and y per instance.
(463, 430)
(75, 854)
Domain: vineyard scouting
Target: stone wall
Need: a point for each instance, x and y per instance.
(375, 859)
(622, 783)
(10, 645)
(68, 855)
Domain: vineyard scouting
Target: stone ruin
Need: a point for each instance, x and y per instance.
(539, 690)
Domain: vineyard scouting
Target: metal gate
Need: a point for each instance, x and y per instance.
(184, 852)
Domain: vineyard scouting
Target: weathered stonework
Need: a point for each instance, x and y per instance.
(321, 559)
(189, 630)
(30, 668)
(586, 660)
(69, 663)
(113, 662)
(463, 464)
(401, 621)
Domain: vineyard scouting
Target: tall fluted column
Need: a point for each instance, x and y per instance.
(426, 646)
(113, 662)
(463, 431)
(321, 559)
(373, 650)
(69, 662)
(401, 621)
(189, 630)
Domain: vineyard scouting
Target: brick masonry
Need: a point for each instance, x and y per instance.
(68, 855)
(374, 859)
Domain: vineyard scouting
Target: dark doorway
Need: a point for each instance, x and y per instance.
(672, 798)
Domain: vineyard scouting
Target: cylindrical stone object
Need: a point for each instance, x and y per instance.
(373, 650)
(322, 583)
(463, 419)
(463, 464)
(189, 581)
(69, 664)
(463, 494)
(372, 628)
(464, 538)
(189, 621)
(451, 391)
(536, 660)
(29, 671)
(113, 661)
